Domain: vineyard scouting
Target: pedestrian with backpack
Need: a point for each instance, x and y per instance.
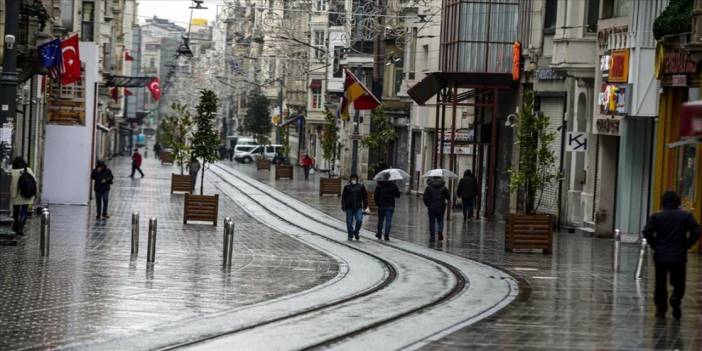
(23, 190)
(136, 163)
(102, 176)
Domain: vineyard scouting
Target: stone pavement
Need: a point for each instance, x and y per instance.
(89, 290)
(569, 300)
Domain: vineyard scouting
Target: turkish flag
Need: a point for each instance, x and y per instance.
(70, 71)
(128, 57)
(155, 88)
(128, 92)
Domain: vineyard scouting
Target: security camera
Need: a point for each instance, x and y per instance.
(10, 40)
(511, 121)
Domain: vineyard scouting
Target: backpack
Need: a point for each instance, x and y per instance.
(27, 185)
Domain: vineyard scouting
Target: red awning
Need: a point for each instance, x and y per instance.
(691, 120)
(316, 84)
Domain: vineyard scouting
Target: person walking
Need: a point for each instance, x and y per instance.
(193, 169)
(467, 191)
(102, 178)
(670, 233)
(23, 190)
(353, 200)
(157, 150)
(384, 197)
(307, 164)
(436, 197)
(136, 163)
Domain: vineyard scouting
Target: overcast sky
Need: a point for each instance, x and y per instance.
(176, 10)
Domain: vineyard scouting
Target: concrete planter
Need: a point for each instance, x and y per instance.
(529, 232)
(202, 208)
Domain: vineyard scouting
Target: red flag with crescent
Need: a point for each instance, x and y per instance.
(155, 88)
(70, 72)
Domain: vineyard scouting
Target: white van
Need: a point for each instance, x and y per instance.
(248, 153)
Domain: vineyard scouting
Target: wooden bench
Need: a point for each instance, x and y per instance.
(532, 232)
(201, 208)
(166, 157)
(331, 186)
(263, 164)
(181, 183)
(283, 171)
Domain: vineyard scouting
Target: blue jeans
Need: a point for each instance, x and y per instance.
(385, 215)
(102, 199)
(468, 203)
(436, 222)
(352, 215)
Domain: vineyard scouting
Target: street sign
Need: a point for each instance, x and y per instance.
(356, 137)
(576, 142)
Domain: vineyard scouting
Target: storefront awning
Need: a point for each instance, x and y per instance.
(435, 82)
(316, 84)
(112, 81)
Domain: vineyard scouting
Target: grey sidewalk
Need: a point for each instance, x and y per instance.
(569, 300)
(88, 290)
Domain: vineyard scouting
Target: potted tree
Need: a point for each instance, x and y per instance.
(205, 146)
(378, 144)
(529, 229)
(258, 122)
(330, 134)
(174, 133)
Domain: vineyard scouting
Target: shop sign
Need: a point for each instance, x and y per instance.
(679, 80)
(674, 61)
(607, 125)
(614, 99)
(691, 120)
(549, 74)
(461, 135)
(516, 59)
(457, 149)
(619, 66)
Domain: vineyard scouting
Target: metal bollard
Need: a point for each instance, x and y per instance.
(45, 232)
(228, 242)
(135, 233)
(151, 246)
(642, 260)
(617, 246)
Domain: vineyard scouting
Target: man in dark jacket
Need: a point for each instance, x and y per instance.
(467, 191)
(103, 179)
(384, 196)
(670, 233)
(353, 200)
(436, 196)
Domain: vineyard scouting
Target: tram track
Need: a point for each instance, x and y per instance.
(460, 284)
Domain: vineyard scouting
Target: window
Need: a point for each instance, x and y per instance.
(318, 44)
(320, 5)
(398, 79)
(152, 62)
(615, 8)
(337, 72)
(412, 52)
(67, 15)
(316, 98)
(87, 21)
(550, 14)
(593, 13)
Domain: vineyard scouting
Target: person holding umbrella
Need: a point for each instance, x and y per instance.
(436, 197)
(384, 196)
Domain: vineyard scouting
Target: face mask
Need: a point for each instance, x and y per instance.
(354, 181)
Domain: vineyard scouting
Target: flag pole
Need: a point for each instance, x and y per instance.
(355, 136)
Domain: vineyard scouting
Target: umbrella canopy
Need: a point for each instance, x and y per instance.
(391, 174)
(440, 172)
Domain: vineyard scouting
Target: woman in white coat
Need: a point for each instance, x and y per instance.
(22, 198)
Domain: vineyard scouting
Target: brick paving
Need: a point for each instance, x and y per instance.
(569, 300)
(89, 290)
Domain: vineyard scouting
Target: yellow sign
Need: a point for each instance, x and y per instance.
(199, 22)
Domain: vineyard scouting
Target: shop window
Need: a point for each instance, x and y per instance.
(316, 98)
(686, 174)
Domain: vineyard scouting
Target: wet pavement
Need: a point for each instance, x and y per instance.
(89, 290)
(568, 300)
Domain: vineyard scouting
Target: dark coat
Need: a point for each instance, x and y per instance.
(667, 234)
(354, 197)
(467, 187)
(436, 195)
(103, 178)
(385, 194)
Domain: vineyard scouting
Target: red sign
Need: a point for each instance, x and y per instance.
(677, 61)
(691, 120)
(619, 66)
(516, 59)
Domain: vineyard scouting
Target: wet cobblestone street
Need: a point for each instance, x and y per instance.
(89, 290)
(568, 300)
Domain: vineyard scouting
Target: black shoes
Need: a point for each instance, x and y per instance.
(677, 313)
(350, 237)
(431, 239)
(357, 237)
(105, 216)
(441, 237)
(97, 217)
(387, 238)
(378, 235)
